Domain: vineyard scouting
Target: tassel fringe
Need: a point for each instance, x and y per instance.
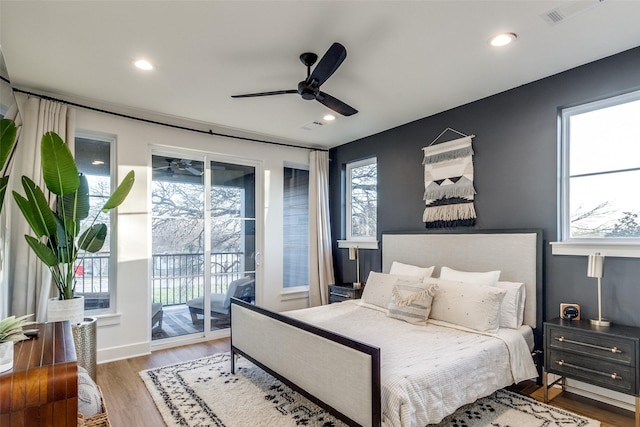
(448, 155)
(460, 189)
(416, 296)
(460, 211)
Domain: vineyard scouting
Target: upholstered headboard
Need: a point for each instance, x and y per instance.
(518, 255)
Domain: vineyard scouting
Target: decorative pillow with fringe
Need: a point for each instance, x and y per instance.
(411, 303)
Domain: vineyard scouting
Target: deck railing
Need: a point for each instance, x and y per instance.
(176, 278)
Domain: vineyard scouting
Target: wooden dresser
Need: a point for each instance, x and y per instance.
(42, 388)
(608, 357)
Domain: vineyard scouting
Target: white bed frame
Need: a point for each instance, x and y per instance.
(343, 375)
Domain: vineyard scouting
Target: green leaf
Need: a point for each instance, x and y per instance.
(59, 169)
(11, 328)
(7, 139)
(3, 189)
(35, 209)
(64, 244)
(75, 205)
(43, 252)
(92, 239)
(121, 193)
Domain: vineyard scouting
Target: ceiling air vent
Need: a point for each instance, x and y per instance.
(568, 9)
(312, 125)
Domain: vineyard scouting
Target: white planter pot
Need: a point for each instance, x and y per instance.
(66, 309)
(6, 356)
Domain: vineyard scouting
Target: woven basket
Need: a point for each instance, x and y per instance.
(98, 420)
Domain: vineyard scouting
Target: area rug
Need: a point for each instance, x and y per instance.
(203, 393)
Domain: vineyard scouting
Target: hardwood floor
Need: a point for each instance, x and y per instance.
(128, 402)
(130, 405)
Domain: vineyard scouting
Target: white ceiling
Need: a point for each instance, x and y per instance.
(405, 59)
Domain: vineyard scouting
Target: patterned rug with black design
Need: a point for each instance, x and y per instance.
(203, 392)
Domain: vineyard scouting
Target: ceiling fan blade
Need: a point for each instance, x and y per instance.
(328, 64)
(193, 171)
(275, 92)
(335, 104)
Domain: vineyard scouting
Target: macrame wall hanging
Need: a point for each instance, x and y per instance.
(448, 182)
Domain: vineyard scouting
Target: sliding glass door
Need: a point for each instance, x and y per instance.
(203, 242)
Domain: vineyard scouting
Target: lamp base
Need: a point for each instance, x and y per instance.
(600, 322)
(357, 285)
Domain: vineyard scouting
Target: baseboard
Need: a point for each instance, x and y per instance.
(614, 398)
(112, 354)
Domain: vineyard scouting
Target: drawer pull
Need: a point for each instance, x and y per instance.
(340, 295)
(599, 347)
(614, 376)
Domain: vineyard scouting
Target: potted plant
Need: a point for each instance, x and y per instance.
(57, 238)
(10, 332)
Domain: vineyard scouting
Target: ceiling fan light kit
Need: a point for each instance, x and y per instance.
(309, 89)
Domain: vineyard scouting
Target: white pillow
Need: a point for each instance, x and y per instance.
(401, 269)
(474, 307)
(411, 303)
(379, 287)
(488, 278)
(89, 400)
(512, 309)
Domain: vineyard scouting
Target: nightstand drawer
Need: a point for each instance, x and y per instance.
(338, 293)
(593, 370)
(600, 346)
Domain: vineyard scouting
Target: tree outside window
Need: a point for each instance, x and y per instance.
(362, 199)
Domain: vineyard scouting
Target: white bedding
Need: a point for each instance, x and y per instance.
(427, 372)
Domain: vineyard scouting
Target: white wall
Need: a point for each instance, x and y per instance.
(127, 333)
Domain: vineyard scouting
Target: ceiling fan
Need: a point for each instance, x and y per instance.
(310, 88)
(177, 165)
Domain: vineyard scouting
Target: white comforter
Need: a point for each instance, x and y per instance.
(427, 372)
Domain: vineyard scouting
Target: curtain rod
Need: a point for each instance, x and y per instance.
(126, 116)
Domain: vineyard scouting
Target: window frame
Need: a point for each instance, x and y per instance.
(348, 197)
(567, 245)
(113, 232)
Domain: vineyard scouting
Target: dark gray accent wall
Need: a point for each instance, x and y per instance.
(516, 177)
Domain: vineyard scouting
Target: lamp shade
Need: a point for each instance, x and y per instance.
(353, 253)
(595, 268)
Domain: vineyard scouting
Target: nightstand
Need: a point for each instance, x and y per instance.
(608, 357)
(343, 292)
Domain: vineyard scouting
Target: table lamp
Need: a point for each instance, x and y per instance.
(595, 268)
(354, 256)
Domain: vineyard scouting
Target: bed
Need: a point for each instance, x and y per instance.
(370, 370)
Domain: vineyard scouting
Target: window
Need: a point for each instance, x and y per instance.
(296, 228)
(600, 171)
(94, 274)
(362, 199)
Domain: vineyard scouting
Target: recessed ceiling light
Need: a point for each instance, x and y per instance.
(503, 39)
(143, 64)
(329, 117)
(97, 162)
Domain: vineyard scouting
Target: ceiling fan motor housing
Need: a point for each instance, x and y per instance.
(307, 91)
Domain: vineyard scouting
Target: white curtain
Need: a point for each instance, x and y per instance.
(27, 280)
(321, 273)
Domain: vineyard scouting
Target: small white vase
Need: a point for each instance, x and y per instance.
(6, 356)
(66, 309)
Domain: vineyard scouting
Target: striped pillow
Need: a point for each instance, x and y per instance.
(411, 302)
